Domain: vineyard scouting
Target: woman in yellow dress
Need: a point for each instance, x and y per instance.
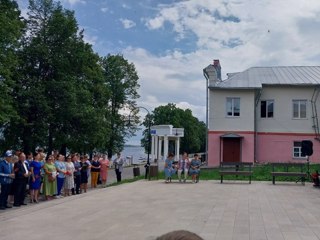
(50, 181)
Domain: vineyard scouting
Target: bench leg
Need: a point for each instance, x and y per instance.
(303, 180)
(273, 179)
(249, 179)
(221, 179)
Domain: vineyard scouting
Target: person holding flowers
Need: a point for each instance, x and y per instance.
(50, 178)
(69, 179)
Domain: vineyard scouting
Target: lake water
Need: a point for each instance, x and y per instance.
(135, 151)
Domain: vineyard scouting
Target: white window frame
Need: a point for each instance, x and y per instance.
(267, 101)
(299, 101)
(296, 150)
(232, 106)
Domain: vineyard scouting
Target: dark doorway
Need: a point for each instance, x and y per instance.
(231, 149)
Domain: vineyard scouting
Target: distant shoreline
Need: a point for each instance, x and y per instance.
(129, 145)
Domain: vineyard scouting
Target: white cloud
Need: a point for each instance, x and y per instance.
(104, 9)
(73, 2)
(125, 6)
(197, 111)
(242, 34)
(127, 23)
(23, 6)
(91, 39)
(238, 30)
(173, 78)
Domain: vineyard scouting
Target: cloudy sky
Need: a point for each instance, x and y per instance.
(171, 41)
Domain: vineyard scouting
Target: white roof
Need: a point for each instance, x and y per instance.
(166, 130)
(255, 77)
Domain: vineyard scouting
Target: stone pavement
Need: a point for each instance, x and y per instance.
(128, 172)
(146, 209)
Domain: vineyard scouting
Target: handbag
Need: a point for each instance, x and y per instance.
(51, 177)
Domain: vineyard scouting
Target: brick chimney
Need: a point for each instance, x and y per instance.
(216, 64)
(213, 73)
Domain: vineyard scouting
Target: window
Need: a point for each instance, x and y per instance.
(233, 107)
(267, 109)
(299, 108)
(297, 150)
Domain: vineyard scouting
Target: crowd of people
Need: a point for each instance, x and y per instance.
(184, 167)
(54, 175)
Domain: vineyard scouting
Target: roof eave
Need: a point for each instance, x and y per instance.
(233, 88)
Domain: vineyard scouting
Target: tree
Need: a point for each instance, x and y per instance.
(60, 95)
(65, 95)
(11, 30)
(122, 79)
(194, 139)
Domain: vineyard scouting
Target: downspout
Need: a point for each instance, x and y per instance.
(207, 111)
(315, 120)
(257, 100)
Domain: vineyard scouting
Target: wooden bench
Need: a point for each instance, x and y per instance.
(288, 170)
(236, 168)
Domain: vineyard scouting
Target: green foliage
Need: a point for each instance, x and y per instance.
(60, 96)
(55, 91)
(194, 139)
(11, 30)
(121, 78)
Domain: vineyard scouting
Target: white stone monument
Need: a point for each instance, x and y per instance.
(162, 134)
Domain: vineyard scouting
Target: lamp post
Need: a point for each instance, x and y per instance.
(147, 166)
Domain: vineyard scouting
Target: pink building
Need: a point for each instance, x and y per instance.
(262, 114)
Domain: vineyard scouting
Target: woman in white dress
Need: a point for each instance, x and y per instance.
(69, 180)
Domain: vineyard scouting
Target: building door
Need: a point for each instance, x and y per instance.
(231, 149)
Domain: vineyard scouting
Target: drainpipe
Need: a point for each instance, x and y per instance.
(257, 99)
(313, 101)
(207, 111)
(215, 73)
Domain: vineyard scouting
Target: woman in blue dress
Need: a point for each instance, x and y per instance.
(194, 169)
(168, 168)
(35, 180)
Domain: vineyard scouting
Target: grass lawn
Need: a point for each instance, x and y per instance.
(260, 173)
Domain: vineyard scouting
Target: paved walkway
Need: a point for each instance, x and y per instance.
(146, 209)
(128, 172)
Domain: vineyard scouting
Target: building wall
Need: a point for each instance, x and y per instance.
(220, 124)
(274, 137)
(283, 120)
(218, 120)
(276, 147)
(215, 147)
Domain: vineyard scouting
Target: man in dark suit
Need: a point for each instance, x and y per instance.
(21, 174)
